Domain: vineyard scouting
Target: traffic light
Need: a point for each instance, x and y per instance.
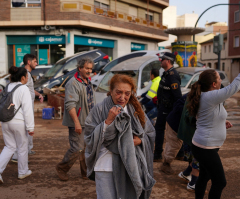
(217, 43)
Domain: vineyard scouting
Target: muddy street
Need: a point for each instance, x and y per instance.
(51, 143)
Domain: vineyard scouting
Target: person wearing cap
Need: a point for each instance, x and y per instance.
(169, 92)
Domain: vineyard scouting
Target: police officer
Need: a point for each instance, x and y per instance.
(169, 91)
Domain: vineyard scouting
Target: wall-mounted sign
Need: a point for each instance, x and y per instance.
(186, 53)
(161, 47)
(32, 39)
(20, 51)
(135, 46)
(90, 41)
(50, 39)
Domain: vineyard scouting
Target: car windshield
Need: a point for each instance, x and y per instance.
(104, 85)
(184, 78)
(53, 70)
(113, 63)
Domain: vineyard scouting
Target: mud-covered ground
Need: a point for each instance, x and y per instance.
(51, 143)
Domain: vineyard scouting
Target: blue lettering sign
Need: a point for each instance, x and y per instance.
(90, 41)
(135, 46)
(161, 47)
(50, 39)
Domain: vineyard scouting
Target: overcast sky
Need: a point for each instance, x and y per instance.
(218, 13)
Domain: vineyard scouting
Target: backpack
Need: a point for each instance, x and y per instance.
(7, 108)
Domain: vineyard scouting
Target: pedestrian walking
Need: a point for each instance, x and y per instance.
(173, 143)
(79, 100)
(186, 130)
(119, 144)
(206, 104)
(16, 131)
(168, 92)
(30, 62)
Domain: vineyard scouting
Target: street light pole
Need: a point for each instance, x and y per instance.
(221, 4)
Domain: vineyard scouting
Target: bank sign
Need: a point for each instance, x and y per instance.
(91, 41)
(135, 46)
(50, 39)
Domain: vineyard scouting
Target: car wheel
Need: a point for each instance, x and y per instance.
(1, 88)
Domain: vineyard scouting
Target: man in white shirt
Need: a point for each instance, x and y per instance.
(30, 62)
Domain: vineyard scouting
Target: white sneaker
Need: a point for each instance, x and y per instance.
(31, 152)
(22, 176)
(190, 187)
(187, 178)
(1, 180)
(14, 160)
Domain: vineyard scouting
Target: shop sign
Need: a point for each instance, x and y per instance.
(50, 39)
(90, 41)
(186, 53)
(161, 47)
(20, 51)
(135, 46)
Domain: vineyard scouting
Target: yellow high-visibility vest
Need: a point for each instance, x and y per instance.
(154, 88)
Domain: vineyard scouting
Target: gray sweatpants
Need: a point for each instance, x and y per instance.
(105, 185)
(76, 151)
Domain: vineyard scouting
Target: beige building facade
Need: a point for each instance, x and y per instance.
(59, 28)
(210, 59)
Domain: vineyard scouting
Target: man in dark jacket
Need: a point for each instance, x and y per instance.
(169, 91)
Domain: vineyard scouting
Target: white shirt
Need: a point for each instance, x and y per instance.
(104, 161)
(21, 96)
(30, 86)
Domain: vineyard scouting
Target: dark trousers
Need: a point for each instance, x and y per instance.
(149, 106)
(160, 128)
(75, 152)
(210, 167)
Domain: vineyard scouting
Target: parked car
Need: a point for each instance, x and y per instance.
(4, 80)
(98, 77)
(138, 68)
(39, 71)
(189, 75)
(66, 65)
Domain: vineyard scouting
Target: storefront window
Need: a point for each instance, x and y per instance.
(17, 52)
(57, 52)
(27, 3)
(79, 48)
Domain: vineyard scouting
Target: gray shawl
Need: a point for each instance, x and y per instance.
(132, 165)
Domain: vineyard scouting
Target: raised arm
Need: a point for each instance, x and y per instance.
(219, 96)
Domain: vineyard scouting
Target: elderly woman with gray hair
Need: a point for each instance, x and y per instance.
(119, 144)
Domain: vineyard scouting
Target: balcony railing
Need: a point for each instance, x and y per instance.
(88, 8)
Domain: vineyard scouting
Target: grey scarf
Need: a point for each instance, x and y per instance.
(132, 165)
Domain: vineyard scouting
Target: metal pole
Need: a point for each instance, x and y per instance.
(219, 60)
(209, 9)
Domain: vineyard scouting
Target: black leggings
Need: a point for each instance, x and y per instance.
(210, 167)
